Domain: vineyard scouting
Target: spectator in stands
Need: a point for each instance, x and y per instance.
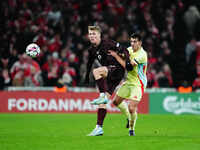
(164, 77)
(191, 16)
(51, 69)
(73, 63)
(33, 76)
(40, 39)
(55, 43)
(194, 61)
(68, 75)
(151, 76)
(5, 66)
(190, 48)
(54, 15)
(196, 82)
(2, 80)
(18, 70)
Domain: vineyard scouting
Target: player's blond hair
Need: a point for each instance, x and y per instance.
(94, 28)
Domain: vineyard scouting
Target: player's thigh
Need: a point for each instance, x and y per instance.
(130, 92)
(115, 73)
(112, 84)
(136, 93)
(114, 78)
(101, 71)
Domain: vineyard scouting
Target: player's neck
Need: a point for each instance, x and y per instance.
(97, 43)
(135, 50)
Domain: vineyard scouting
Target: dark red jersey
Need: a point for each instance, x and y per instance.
(102, 55)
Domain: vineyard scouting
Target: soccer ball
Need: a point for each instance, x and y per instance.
(33, 50)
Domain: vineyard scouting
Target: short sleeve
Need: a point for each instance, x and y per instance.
(141, 58)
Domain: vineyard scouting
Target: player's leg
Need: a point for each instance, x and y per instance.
(100, 75)
(100, 72)
(101, 114)
(135, 97)
(121, 104)
(112, 76)
(123, 93)
(133, 111)
(115, 76)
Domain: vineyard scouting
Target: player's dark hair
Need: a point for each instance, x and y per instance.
(136, 36)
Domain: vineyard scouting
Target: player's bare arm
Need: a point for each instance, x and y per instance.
(118, 58)
(133, 62)
(123, 62)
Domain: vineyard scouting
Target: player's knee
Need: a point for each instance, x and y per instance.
(94, 71)
(132, 109)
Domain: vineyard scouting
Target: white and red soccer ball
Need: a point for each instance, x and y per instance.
(33, 50)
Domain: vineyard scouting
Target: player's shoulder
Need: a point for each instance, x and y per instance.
(111, 42)
(143, 51)
(143, 54)
(129, 48)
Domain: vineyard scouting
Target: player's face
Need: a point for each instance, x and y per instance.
(135, 44)
(94, 37)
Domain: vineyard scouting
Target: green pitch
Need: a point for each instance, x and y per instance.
(68, 132)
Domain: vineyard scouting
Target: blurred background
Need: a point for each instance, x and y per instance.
(170, 31)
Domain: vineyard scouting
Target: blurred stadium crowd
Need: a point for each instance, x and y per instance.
(170, 31)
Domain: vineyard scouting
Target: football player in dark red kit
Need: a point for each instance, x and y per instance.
(107, 76)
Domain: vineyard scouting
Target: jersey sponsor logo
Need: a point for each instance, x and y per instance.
(117, 45)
